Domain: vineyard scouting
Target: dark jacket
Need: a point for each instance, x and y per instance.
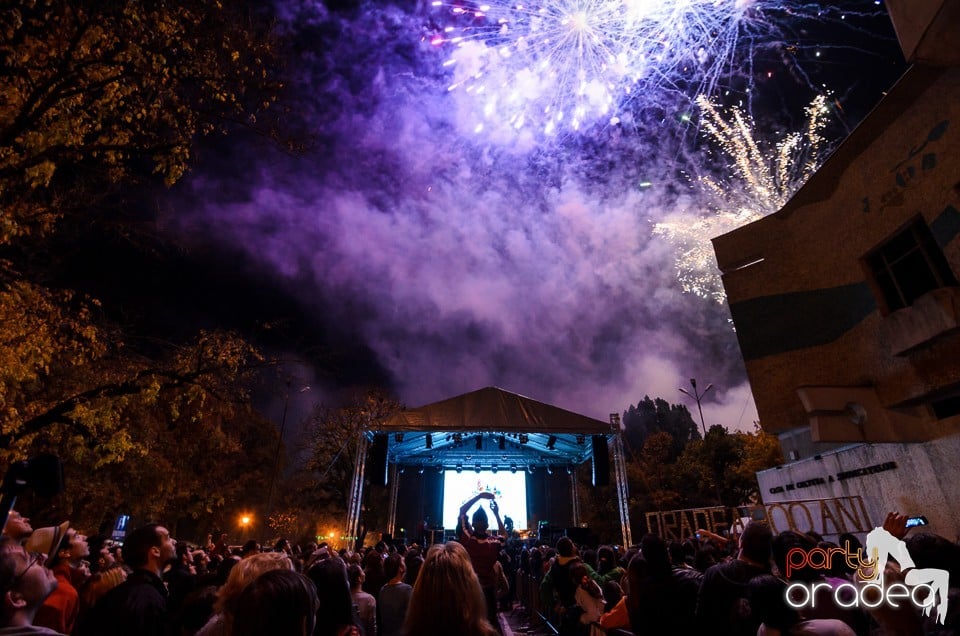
(136, 606)
(722, 605)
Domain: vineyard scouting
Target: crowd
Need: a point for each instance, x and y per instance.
(55, 580)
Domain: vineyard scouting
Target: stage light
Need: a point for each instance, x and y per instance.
(531, 468)
(549, 469)
(513, 468)
(494, 468)
(502, 442)
(440, 468)
(478, 467)
(524, 438)
(398, 437)
(479, 442)
(551, 442)
(569, 470)
(429, 440)
(459, 468)
(580, 439)
(421, 469)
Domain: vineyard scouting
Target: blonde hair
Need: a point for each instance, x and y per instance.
(447, 574)
(243, 573)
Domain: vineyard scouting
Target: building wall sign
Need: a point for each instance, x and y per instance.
(840, 476)
(828, 517)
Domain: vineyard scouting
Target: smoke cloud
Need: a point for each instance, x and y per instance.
(468, 259)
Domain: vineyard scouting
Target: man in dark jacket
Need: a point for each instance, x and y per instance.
(722, 602)
(139, 604)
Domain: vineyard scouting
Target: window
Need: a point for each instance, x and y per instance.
(909, 265)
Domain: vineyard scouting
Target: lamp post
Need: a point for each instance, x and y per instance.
(276, 455)
(698, 396)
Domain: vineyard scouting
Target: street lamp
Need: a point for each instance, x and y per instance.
(698, 396)
(276, 456)
(245, 521)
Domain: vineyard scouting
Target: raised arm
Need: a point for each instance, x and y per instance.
(465, 526)
(496, 513)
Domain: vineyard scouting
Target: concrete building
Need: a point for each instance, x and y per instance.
(847, 304)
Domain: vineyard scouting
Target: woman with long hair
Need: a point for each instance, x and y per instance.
(242, 574)
(447, 574)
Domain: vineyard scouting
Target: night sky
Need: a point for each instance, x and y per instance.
(404, 247)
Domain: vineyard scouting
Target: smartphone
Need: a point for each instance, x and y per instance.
(919, 520)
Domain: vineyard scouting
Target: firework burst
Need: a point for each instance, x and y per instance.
(761, 181)
(559, 66)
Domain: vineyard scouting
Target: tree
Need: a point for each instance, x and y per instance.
(724, 465)
(158, 437)
(104, 93)
(98, 96)
(317, 494)
(651, 416)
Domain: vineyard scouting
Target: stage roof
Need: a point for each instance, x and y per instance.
(491, 429)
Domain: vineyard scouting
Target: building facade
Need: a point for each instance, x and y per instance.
(847, 302)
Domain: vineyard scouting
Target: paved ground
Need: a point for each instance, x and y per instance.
(516, 622)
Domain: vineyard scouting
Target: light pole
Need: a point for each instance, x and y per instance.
(698, 396)
(276, 455)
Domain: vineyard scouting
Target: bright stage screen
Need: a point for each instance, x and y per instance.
(509, 488)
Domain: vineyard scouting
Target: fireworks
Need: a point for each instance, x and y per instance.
(562, 64)
(761, 182)
(555, 66)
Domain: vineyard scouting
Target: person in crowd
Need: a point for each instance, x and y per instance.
(607, 567)
(250, 548)
(105, 573)
(484, 550)
(588, 596)
(17, 527)
(413, 559)
(618, 616)
(279, 603)
(221, 547)
(365, 603)
(823, 605)
(664, 599)
(196, 610)
(722, 599)
(24, 585)
(558, 587)
(373, 575)
(181, 578)
(394, 597)
(241, 575)
(447, 574)
(610, 574)
(60, 610)
(139, 604)
(337, 616)
(767, 597)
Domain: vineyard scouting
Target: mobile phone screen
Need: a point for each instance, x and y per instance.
(916, 521)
